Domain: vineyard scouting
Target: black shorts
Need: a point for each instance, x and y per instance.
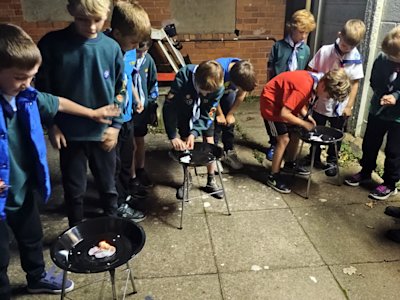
(279, 128)
(140, 131)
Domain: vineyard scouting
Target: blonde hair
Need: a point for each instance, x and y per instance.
(131, 19)
(243, 75)
(17, 49)
(353, 32)
(391, 42)
(337, 84)
(209, 76)
(302, 20)
(91, 7)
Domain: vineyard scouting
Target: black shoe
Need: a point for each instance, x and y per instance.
(394, 235)
(277, 184)
(213, 189)
(306, 161)
(382, 192)
(179, 190)
(144, 179)
(331, 169)
(393, 211)
(293, 167)
(136, 189)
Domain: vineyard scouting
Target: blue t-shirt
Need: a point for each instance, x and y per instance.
(225, 62)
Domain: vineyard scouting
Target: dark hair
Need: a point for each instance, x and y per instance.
(243, 75)
(17, 49)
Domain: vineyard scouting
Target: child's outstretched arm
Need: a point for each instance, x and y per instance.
(100, 115)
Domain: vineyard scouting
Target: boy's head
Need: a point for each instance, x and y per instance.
(89, 16)
(209, 77)
(130, 24)
(351, 35)
(19, 59)
(334, 84)
(301, 24)
(143, 47)
(391, 44)
(243, 75)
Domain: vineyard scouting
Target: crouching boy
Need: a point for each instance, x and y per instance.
(283, 105)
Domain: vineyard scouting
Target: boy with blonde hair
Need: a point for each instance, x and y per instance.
(239, 79)
(130, 25)
(291, 53)
(93, 65)
(23, 157)
(190, 107)
(283, 105)
(342, 54)
(383, 119)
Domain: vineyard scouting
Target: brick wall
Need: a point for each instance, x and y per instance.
(253, 18)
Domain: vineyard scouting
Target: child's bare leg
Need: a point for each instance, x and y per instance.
(210, 167)
(282, 143)
(140, 152)
(292, 147)
(133, 168)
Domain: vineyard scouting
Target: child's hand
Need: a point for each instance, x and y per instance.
(101, 114)
(139, 107)
(347, 112)
(3, 186)
(57, 138)
(308, 125)
(388, 100)
(190, 142)
(178, 144)
(221, 119)
(110, 138)
(230, 119)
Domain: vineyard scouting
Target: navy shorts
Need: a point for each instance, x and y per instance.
(279, 128)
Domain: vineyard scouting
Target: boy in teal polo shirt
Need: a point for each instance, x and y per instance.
(291, 53)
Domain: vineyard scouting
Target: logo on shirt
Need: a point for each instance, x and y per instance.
(189, 100)
(211, 113)
(106, 74)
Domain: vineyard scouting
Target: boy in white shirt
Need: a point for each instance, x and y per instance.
(342, 54)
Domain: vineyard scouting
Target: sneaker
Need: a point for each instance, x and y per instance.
(270, 153)
(330, 169)
(144, 179)
(293, 167)
(213, 189)
(51, 283)
(393, 235)
(382, 192)
(306, 161)
(127, 212)
(219, 166)
(231, 159)
(393, 211)
(179, 190)
(277, 184)
(137, 190)
(356, 179)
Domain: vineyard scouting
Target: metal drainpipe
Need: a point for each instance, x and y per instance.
(373, 48)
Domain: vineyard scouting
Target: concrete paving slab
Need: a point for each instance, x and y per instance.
(262, 238)
(179, 287)
(172, 252)
(299, 283)
(370, 281)
(348, 234)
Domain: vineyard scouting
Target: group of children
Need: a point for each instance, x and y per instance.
(328, 88)
(100, 73)
(112, 84)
